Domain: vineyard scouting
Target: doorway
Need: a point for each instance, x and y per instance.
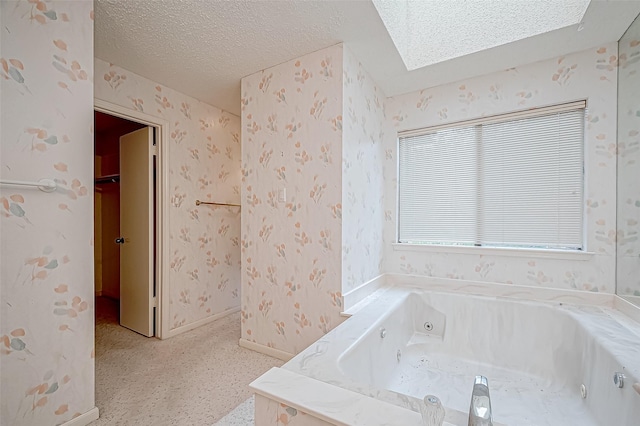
(162, 197)
(125, 222)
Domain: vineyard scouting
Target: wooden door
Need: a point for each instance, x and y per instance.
(137, 231)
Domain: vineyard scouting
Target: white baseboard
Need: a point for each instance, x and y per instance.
(84, 419)
(276, 353)
(203, 321)
(351, 298)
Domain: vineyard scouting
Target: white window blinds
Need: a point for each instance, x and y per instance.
(510, 181)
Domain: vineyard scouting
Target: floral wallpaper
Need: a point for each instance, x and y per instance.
(629, 163)
(46, 279)
(362, 179)
(590, 75)
(204, 163)
(291, 249)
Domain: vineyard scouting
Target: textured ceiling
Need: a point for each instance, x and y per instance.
(204, 47)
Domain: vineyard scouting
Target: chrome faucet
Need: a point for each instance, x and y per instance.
(480, 409)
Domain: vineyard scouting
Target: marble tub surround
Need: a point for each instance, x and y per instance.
(274, 413)
(535, 354)
(372, 290)
(353, 297)
(325, 403)
(630, 308)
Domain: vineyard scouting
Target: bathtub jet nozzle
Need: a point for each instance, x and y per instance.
(432, 411)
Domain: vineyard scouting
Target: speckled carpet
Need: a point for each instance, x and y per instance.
(195, 378)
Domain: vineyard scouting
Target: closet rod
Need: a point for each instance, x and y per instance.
(108, 179)
(45, 185)
(198, 202)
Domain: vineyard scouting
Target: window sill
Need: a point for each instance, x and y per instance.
(495, 251)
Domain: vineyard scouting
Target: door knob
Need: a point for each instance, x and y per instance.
(120, 240)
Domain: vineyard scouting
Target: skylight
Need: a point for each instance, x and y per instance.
(426, 32)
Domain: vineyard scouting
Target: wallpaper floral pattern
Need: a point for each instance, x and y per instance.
(590, 75)
(629, 163)
(312, 127)
(291, 250)
(204, 163)
(362, 178)
(47, 321)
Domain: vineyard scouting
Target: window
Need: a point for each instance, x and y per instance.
(506, 181)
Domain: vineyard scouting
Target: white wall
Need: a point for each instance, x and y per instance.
(587, 75)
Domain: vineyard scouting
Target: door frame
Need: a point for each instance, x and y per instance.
(162, 205)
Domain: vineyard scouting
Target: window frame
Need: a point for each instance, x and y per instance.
(580, 253)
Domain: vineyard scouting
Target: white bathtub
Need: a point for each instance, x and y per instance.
(535, 355)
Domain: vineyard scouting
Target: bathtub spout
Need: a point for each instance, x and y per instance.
(480, 410)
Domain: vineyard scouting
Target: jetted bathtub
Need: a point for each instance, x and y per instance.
(547, 363)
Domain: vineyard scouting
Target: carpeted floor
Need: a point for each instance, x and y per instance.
(242, 415)
(195, 378)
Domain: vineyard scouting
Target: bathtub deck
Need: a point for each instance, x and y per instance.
(516, 398)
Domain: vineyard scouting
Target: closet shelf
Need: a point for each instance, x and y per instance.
(108, 179)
